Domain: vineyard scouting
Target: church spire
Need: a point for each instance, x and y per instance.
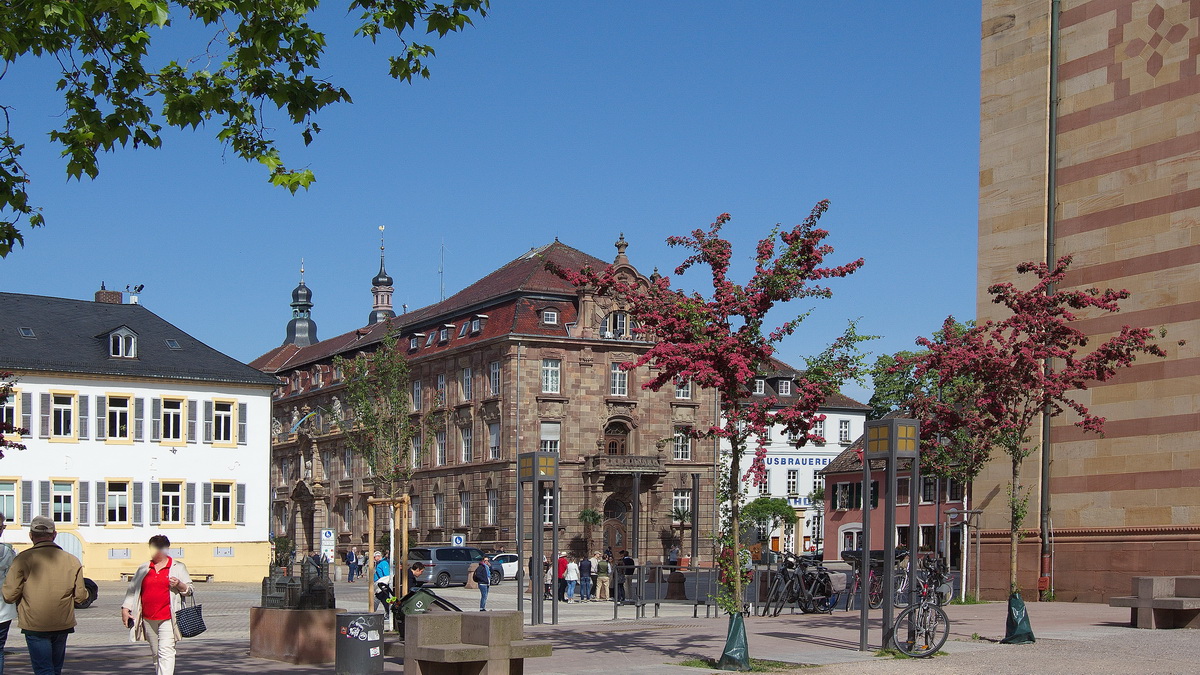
(381, 289)
(301, 330)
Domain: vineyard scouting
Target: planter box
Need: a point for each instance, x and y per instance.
(297, 636)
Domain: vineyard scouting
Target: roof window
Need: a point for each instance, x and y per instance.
(26, 332)
(172, 343)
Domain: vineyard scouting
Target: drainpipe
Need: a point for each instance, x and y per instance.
(1051, 204)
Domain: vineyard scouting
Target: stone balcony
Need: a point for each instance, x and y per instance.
(626, 464)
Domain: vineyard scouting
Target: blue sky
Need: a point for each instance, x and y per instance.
(568, 119)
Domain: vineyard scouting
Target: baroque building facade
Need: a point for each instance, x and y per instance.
(519, 361)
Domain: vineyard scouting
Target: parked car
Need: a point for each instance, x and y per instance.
(445, 565)
(508, 562)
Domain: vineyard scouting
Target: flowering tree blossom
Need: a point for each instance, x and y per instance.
(1006, 374)
(721, 342)
(8, 429)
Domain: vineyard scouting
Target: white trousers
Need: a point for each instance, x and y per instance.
(161, 636)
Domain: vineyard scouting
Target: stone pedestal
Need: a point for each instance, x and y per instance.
(298, 636)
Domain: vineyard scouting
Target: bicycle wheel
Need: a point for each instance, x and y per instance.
(788, 595)
(900, 597)
(774, 597)
(921, 630)
(944, 594)
(824, 599)
(875, 590)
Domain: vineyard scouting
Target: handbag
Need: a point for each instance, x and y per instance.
(190, 619)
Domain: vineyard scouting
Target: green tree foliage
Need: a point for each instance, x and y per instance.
(590, 518)
(261, 68)
(768, 513)
(8, 430)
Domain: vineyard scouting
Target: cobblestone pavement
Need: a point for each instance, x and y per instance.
(1072, 638)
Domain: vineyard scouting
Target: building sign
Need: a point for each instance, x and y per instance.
(328, 544)
(775, 460)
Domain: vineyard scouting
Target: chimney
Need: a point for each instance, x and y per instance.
(109, 297)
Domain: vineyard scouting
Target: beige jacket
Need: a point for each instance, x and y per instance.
(133, 598)
(44, 583)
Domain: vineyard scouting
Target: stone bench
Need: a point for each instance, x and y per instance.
(128, 576)
(483, 643)
(1162, 602)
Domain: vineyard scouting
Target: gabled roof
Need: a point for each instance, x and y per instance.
(527, 274)
(70, 337)
(777, 369)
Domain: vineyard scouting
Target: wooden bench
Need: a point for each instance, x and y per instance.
(1162, 602)
(484, 643)
(128, 576)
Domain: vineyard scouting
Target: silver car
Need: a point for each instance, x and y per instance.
(445, 565)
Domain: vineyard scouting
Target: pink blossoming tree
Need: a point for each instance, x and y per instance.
(1020, 368)
(721, 341)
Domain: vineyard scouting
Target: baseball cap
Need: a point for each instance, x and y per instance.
(42, 525)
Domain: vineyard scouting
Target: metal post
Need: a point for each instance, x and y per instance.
(695, 520)
(914, 526)
(889, 554)
(637, 513)
(371, 556)
(554, 545)
(865, 561)
(539, 554)
(522, 563)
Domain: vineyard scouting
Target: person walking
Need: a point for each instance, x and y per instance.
(603, 578)
(8, 611)
(627, 572)
(351, 564)
(45, 583)
(562, 580)
(595, 572)
(383, 570)
(155, 594)
(673, 557)
(585, 580)
(483, 577)
(571, 576)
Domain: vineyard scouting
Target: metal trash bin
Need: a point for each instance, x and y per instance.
(359, 643)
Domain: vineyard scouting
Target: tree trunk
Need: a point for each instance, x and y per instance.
(1014, 534)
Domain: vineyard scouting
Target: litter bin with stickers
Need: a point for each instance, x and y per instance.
(359, 643)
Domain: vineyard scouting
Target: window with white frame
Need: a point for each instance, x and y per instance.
(464, 509)
(681, 499)
(818, 429)
(843, 496)
(414, 512)
(618, 380)
(8, 412)
(418, 445)
(467, 382)
(551, 376)
(764, 488)
(222, 422)
(118, 418)
(347, 462)
(439, 510)
(683, 445)
(416, 395)
(683, 388)
(843, 431)
(793, 482)
(468, 444)
(346, 511)
(171, 502)
(547, 502)
(8, 500)
(443, 334)
(63, 416)
(955, 491)
(222, 503)
(462, 330)
(550, 316)
(493, 506)
(550, 436)
(929, 489)
(430, 338)
(493, 440)
(494, 378)
(476, 325)
(62, 501)
(122, 344)
(617, 325)
(117, 501)
(785, 387)
(172, 419)
(440, 459)
(760, 386)
(414, 343)
(818, 482)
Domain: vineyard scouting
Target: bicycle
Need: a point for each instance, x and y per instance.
(933, 579)
(925, 625)
(810, 590)
(874, 579)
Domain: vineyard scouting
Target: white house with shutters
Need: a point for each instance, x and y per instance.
(133, 428)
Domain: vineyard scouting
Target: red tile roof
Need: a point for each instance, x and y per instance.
(526, 274)
(778, 369)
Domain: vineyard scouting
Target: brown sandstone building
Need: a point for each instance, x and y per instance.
(521, 361)
(1111, 175)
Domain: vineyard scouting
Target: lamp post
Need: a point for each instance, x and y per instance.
(539, 469)
(890, 440)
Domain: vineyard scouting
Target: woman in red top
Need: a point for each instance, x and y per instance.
(154, 595)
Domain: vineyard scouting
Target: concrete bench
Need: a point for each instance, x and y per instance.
(1162, 602)
(484, 643)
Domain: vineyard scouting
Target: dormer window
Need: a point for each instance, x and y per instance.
(476, 325)
(444, 334)
(617, 326)
(785, 387)
(122, 344)
(550, 317)
(760, 386)
(414, 343)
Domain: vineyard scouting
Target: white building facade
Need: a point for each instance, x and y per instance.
(793, 471)
(133, 428)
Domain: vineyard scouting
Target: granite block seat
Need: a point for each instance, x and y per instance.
(483, 643)
(1162, 602)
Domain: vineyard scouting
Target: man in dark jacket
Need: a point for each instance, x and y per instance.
(585, 580)
(483, 577)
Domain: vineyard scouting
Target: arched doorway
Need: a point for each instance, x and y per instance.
(616, 438)
(616, 515)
